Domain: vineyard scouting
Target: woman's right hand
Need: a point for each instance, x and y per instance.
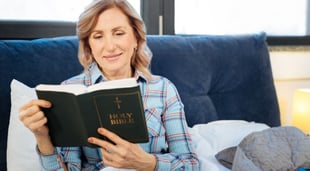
(35, 120)
(33, 117)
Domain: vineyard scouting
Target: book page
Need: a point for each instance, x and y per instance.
(78, 89)
(122, 83)
(69, 88)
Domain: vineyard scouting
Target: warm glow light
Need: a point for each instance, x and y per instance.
(301, 110)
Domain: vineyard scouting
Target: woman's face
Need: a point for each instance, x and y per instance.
(112, 42)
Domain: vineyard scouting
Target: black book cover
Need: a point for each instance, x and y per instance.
(73, 118)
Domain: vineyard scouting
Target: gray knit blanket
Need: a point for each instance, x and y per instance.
(273, 149)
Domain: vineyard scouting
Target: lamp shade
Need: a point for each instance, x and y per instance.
(301, 110)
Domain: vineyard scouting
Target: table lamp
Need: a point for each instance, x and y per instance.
(301, 110)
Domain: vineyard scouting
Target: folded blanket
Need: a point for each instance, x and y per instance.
(273, 149)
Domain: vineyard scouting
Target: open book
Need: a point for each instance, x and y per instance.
(78, 111)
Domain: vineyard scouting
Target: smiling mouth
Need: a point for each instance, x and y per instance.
(112, 56)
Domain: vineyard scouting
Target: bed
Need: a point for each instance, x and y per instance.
(225, 83)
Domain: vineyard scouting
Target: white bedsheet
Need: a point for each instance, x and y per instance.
(209, 139)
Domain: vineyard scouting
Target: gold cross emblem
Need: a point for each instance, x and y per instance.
(118, 102)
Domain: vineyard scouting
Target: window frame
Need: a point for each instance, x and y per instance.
(35, 29)
(158, 16)
(155, 13)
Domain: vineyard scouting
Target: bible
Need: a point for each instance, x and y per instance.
(78, 111)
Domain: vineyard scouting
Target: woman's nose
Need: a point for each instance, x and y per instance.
(109, 44)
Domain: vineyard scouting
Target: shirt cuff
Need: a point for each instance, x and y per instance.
(161, 165)
(51, 161)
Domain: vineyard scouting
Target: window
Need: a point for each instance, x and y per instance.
(31, 19)
(46, 10)
(275, 17)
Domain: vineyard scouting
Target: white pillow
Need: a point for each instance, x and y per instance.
(21, 154)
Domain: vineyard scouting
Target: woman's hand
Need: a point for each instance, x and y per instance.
(34, 119)
(123, 154)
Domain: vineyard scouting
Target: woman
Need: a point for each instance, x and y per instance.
(112, 45)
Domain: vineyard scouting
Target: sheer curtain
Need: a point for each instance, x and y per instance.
(276, 17)
(46, 10)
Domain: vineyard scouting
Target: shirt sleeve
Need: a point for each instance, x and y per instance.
(69, 156)
(56, 160)
(181, 155)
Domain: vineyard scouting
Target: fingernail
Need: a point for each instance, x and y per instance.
(48, 104)
(101, 130)
(90, 140)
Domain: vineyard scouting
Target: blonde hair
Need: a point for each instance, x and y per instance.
(88, 20)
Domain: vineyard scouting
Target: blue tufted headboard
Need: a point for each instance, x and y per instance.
(218, 77)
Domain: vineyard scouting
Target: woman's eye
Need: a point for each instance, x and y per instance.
(97, 37)
(119, 33)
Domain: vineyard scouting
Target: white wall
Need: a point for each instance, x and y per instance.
(291, 70)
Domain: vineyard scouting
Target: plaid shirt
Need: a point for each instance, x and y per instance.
(169, 139)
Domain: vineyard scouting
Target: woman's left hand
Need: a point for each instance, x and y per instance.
(123, 154)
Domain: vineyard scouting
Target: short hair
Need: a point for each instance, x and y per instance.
(88, 20)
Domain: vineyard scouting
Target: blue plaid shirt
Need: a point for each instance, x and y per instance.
(169, 139)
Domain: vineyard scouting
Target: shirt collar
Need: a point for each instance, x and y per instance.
(96, 76)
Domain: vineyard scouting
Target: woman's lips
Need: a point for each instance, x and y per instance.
(112, 57)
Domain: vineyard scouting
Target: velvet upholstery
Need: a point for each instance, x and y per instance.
(218, 77)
